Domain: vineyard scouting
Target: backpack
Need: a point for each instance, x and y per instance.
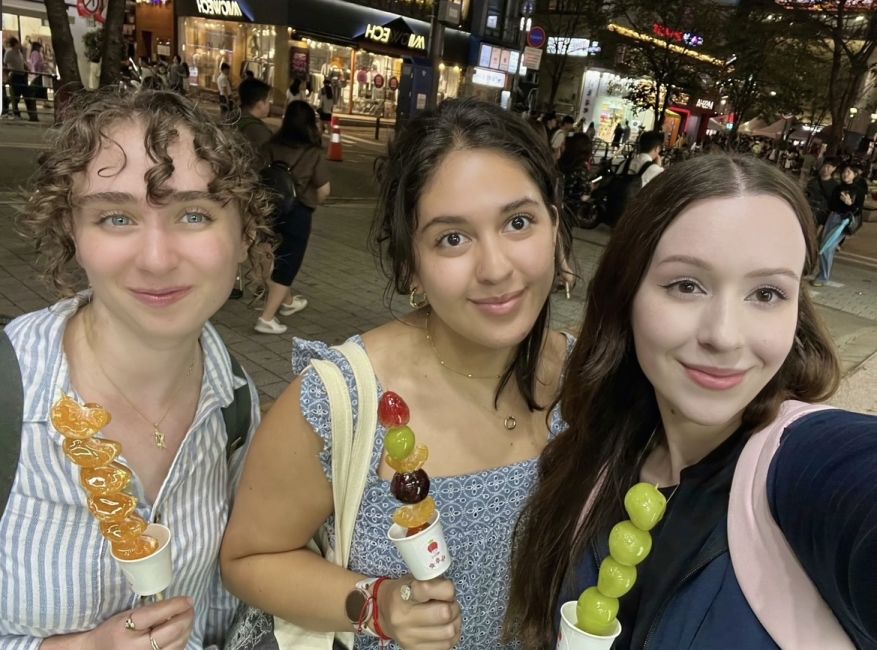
(236, 416)
(621, 190)
(855, 222)
(276, 177)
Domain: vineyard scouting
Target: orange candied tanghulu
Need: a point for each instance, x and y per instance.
(103, 479)
(410, 483)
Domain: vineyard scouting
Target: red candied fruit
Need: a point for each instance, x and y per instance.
(393, 411)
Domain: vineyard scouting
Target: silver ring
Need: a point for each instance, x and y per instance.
(153, 643)
(405, 592)
(129, 624)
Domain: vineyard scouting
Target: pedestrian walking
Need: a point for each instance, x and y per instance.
(297, 144)
(145, 201)
(845, 205)
(625, 132)
(591, 131)
(178, 75)
(820, 191)
(467, 222)
(700, 371)
(15, 75)
(297, 92)
(558, 140)
(37, 89)
(327, 104)
(616, 135)
(223, 84)
(255, 98)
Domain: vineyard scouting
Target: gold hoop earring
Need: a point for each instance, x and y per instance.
(417, 302)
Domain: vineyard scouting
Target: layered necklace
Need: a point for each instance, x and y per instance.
(509, 422)
(158, 436)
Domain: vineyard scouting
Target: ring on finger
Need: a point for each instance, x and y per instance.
(153, 643)
(129, 624)
(405, 592)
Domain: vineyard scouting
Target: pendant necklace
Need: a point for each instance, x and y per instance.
(510, 422)
(158, 436)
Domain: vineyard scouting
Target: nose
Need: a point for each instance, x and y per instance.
(721, 324)
(158, 253)
(494, 264)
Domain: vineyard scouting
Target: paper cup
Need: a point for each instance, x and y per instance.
(572, 638)
(152, 574)
(426, 553)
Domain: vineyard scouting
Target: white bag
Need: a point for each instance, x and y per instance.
(351, 458)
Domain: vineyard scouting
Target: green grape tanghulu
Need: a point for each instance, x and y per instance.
(629, 544)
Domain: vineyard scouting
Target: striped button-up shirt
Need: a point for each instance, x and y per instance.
(56, 572)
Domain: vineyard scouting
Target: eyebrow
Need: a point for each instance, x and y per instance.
(758, 273)
(453, 220)
(125, 197)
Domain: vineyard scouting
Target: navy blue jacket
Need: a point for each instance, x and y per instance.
(822, 489)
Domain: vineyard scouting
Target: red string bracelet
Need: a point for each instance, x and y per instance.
(383, 637)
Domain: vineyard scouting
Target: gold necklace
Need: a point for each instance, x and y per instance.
(510, 422)
(157, 434)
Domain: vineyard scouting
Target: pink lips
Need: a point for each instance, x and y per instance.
(160, 297)
(499, 305)
(714, 378)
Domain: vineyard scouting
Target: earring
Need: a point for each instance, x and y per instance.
(417, 302)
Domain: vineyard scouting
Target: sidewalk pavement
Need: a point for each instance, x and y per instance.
(345, 289)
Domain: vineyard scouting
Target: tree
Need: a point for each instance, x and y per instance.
(62, 43)
(664, 41)
(849, 38)
(565, 20)
(114, 48)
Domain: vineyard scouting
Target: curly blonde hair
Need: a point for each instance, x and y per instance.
(47, 219)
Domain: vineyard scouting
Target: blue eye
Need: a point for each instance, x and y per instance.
(195, 217)
(115, 220)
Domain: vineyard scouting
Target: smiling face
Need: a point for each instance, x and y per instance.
(484, 247)
(156, 270)
(716, 312)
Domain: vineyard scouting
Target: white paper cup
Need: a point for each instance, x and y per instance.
(425, 554)
(572, 638)
(152, 574)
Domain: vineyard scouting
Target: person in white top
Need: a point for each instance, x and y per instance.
(224, 86)
(649, 147)
(559, 138)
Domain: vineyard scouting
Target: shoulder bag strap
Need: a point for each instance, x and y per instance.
(11, 408)
(765, 565)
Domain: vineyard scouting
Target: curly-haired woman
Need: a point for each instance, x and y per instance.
(155, 205)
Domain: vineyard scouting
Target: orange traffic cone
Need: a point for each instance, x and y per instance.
(335, 153)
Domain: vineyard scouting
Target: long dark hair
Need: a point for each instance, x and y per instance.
(414, 156)
(576, 153)
(610, 406)
(299, 126)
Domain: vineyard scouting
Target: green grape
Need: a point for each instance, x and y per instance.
(615, 579)
(595, 613)
(628, 544)
(645, 505)
(399, 442)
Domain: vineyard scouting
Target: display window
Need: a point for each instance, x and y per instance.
(207, 44)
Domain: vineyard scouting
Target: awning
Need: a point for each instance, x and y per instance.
(748, 127)
(774, 130)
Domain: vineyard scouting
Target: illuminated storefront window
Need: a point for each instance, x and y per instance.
(207, 44)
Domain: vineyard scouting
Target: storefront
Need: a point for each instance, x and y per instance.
(689, 114)
(603, 103)
(358, 49)
(361, 52)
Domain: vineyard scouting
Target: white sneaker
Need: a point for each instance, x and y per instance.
(269, 326)
(298, 303)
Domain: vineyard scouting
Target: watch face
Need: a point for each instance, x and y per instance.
(355, 604)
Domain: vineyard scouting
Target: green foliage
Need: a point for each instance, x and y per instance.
(93, 40)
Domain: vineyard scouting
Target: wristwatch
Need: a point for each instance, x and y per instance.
(359, 605)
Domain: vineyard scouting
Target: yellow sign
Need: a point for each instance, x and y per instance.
(673, 47)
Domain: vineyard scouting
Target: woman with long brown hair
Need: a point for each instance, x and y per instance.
(696, 369)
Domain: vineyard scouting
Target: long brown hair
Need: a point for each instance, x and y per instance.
(610, 406)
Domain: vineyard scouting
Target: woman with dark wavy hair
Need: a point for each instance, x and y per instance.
(698, 364)
(467, 224)
(145, 201)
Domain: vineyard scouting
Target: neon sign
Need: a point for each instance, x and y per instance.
(668, 34)
(385, 35)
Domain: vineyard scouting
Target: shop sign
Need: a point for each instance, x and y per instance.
(532, 58)
(393, 83)
(385, 35)
(229, 8)
(572, 46)
(491, 78)
(706, 104)
(669, 34)
(498, 58)
(378, 81)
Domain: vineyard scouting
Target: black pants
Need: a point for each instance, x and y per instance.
(293, 227)
(19, 89)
